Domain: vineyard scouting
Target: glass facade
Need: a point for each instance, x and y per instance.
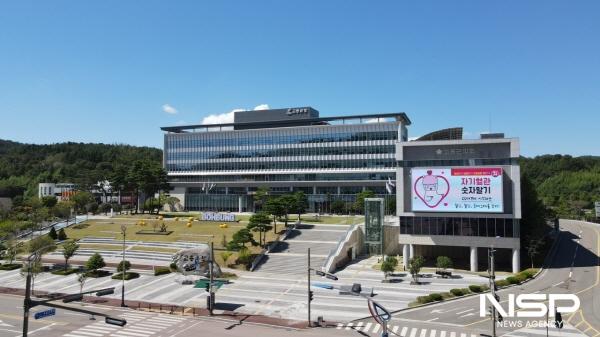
(333, 162)
(490, 227)
(307, 147)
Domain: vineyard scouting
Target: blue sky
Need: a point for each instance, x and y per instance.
(104, 71)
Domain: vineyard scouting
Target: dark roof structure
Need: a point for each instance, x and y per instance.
(444, 134)
(276, 122)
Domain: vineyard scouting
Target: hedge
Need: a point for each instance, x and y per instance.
(502, 283)
(475, 288)
(161, 270)
(128, 276)
(458, 292)
(11, 266)
(512, 280)
(65, 271)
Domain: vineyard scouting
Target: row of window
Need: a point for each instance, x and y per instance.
(284, 177)
(275, 137)
(283, 165)
(321, 191)
(489, 227)
(287, 152)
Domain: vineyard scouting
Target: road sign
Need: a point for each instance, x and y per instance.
(45, 313)
(322, 285)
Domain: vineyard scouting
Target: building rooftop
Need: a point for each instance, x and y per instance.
(288, 117)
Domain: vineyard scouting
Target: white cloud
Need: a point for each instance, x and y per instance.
(169, 109)
(220, 118)
(262, 107)
(227, 117)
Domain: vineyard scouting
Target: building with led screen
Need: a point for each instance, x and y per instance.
(458, 198)
(218, 167)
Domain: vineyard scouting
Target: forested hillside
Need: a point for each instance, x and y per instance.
(569, 185)
(23, 166)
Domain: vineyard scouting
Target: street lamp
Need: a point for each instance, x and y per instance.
(123, 269)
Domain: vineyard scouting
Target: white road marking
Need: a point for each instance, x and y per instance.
(395, 329)
(367, 327)
(340, 326)
(443, 334)
(433, 332)
(463, 335)
(413, 332)
(349, 326)
(423, 333)
(462, 312)
(559, 283)
(376, 328)
(433, 319)
(453, 334)
(403, 332)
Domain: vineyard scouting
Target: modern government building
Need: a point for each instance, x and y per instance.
(451, 195)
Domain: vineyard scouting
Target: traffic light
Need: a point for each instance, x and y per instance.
(115, 321)
(105, 292)
(497, 298)
(207, 287)
(72, 298)
(310, 295)
(500, 318)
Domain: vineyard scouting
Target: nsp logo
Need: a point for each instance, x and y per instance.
(530, 305)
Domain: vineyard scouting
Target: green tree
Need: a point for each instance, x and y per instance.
(239, 239)
(42, 244)
(69, 249)
(300, 203)
(259, 222)
(80, 199)
(124, 266)
(338, 206)
(387, 267)
(260, 197)
(276, 208)
(94, 263)
(443, 262)
(62, 209)
(62, 236)
(288, 202)
(34, 268)
(414, 266)
(49, 201)
(52, 233)
(533, 249)
(359, 204)
(13, 249)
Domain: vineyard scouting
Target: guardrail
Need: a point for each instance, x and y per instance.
(336, 251)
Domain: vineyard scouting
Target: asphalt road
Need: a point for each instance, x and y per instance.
(574, 269)
(139, 324)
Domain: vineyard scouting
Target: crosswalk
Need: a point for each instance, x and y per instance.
(402, 331)
(138, 325)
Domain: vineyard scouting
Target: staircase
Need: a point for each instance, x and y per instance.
(290, 255)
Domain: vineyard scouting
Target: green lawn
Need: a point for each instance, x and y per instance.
(200, 231)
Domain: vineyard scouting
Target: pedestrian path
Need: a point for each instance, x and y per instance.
(138, 325)
(403, 330)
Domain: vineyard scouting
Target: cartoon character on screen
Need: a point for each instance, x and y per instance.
(433, 188)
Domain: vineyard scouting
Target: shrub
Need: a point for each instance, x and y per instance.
(457, 292)
(521, 277)
(443, 262)
(424, 299)
(126, 264)
(128, 276)
(512, 280)
(161, 271)
(502, 283)
(52, 233)
(527, 273)
(244, 256)
(65, 272)
(435, 297)
(475, 288)
(10, 266)
(95, 262)
(173, 266)
(62, 236)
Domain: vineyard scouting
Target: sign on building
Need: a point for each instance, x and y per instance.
(462, 189)
(597, 207)
(210, 216)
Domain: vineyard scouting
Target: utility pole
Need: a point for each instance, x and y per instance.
(123, 269)
(211, 293)
(309, 294)
(27, 302)
(492, 274)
